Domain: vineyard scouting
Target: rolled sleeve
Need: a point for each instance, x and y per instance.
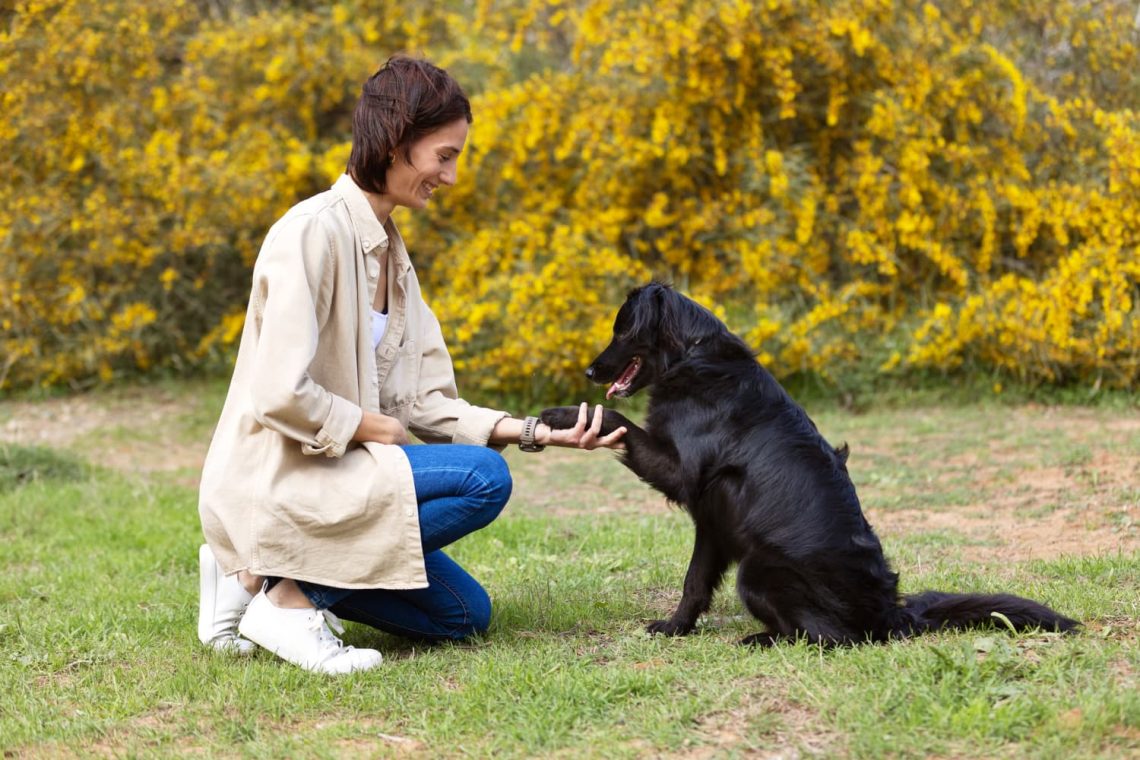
(475, 424)
(337, 431)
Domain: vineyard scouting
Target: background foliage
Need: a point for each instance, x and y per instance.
(860, 187)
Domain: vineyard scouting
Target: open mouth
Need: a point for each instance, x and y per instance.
(621, 385)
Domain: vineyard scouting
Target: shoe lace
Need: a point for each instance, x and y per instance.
(321, 622)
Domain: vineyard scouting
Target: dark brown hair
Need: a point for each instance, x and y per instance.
(403, 101)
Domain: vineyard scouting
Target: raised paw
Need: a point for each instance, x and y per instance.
(560, 417)
(669, 628)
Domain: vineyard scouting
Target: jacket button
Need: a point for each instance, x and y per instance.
(367, 243)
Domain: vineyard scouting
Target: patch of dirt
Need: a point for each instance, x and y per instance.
(133, 431)
(125, 739)
(1007, 536)
(1044, 512)
(763, 724)
(359, 738)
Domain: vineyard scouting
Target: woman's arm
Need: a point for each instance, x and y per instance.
(581, 436)
(293, 274)
(440, 415)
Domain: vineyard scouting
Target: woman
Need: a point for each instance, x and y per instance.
(312, 501)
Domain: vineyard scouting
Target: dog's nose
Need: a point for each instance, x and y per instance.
(590, 372)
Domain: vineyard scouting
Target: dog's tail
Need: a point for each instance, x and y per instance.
(936, 610)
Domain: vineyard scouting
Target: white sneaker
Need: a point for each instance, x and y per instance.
(221, 603)
(302, 637)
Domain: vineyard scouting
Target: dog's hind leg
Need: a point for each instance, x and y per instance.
(764, 639)
(787, 603)
(706, 568)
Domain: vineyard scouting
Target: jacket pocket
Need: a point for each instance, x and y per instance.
(402, 383)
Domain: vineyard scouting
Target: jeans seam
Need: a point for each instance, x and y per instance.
(484, 482)
(481, 502)
(459, 597)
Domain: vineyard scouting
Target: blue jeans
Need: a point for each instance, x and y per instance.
(460, 489)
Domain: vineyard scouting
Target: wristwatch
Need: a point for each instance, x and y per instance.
(526, 439)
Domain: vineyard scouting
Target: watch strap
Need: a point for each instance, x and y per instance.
(526, 438)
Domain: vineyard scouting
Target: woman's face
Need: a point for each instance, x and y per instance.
(434, 162)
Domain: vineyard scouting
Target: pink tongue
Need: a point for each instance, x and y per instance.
(623, 381)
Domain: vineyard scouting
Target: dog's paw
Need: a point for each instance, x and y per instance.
(560, 417)
(669, 628)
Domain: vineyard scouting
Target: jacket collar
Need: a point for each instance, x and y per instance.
(396, 249)
(369, 231)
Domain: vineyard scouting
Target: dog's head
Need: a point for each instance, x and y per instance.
(655, 328)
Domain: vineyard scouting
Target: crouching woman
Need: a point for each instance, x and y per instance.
(313, 502)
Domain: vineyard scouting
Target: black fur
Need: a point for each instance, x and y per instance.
(724, 440)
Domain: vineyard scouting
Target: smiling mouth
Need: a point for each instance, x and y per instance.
(621, 385)
(427, 190)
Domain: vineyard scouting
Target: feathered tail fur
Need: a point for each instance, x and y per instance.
(935, 610)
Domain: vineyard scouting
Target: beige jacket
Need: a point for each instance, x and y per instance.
(284, 491)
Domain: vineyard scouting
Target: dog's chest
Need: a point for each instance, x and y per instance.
(696, 473)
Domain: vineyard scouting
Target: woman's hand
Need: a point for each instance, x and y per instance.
(582, 435)
(380, 428)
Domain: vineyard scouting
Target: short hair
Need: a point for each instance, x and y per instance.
(403, 101)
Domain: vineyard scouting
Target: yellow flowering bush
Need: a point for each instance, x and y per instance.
(892, 185)
(855, 185)
(146, 148)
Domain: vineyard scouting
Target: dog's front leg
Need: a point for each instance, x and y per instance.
(652, 460)
(706, 568)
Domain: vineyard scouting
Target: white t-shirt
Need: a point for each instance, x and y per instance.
(379, 325)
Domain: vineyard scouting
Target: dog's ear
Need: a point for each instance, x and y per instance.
(642, 312)
(683, 323)
(672, 318)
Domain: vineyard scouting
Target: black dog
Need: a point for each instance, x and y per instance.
(724, 440)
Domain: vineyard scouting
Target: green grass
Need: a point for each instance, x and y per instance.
(98, 654)
(21, 465)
